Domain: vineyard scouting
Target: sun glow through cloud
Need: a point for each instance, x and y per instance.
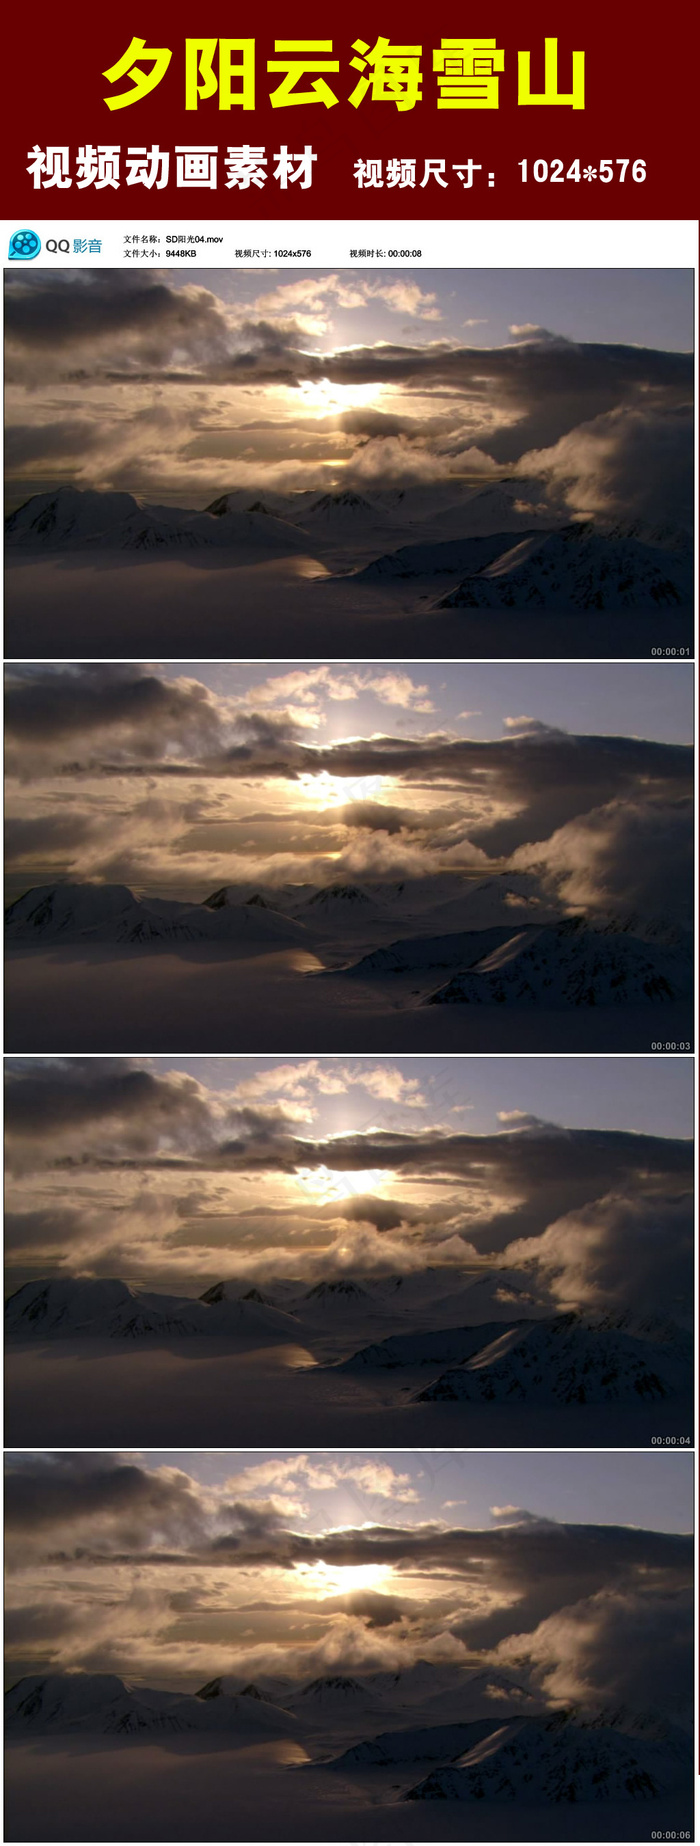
(325, 1185)
(321, 398)
(342, 1579)
(328, 791)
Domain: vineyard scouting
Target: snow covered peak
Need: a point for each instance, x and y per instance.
(111, 913)
(65, 1305)
(54, 1696)
(223, 1687)
(55, 909)
(213, 1689)
(564, 1360)
(570, 964)
(69, 515)
(345, 502)
(335, 1690)
(578, 567)
(101, 1704)
(560, 1758)
(76, 519)
(335, 899)
(218, 899)
(336, 1291)
(73, 1309)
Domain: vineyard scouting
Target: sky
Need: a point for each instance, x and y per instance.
(633, 1093)
(647, 307)
(288, 381)
(590, 1485)
(176, 782)
(311, 1168)
(170, 1570)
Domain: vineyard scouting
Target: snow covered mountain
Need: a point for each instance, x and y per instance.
(338, 903)
(67, 910)
(341, 513)
(414, 953)
(565, 1360)
(537, 1758)
(333, 1696)
(578, 567)
(72, 1701)
(451, 1345)
(508, 899)
(449, 557)
(512, 948)
(73, 1309)
(569, 964)
(424, 1744)
(339, 1297)
(104, 1705)
(112, 913)
(561, 1758)
(62, 1309)
(221, 1687)
(76, 519)
(560, 964)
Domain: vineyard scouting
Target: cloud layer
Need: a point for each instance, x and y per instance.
(145, 1571)
(109, 373)
(120, 775)
(115, 1168)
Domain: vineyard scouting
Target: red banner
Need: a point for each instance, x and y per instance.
(366, 114)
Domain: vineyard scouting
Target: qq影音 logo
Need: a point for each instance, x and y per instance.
(23, 246)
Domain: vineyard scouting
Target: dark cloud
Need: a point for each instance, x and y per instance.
(631, 462)
(550, 778)
(50, 838)
(38, 1624)
(595, 1614)
(50, 1498)
(377, 1610)
(70, 315)
(50, 1230)
(100, 307)
(556, 1556)
(546, 387)
(602, 1217)
(634, 1254)
(630, 854)
(384, 1214)
(377, 817)
(626, 1646)
(69, 438)
(116, 1097)
(536, 782)
(539, 1563)
(607, 427)
(521, 1156)
(55, 1094)
(67, 705)
(545, 775)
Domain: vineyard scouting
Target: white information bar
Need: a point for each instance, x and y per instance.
(567, 243)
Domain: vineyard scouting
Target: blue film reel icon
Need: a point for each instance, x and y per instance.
(24, 245)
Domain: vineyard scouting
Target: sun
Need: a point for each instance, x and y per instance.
(321, 398)
(342, 1579)
(327, 791)
(328, 1187)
